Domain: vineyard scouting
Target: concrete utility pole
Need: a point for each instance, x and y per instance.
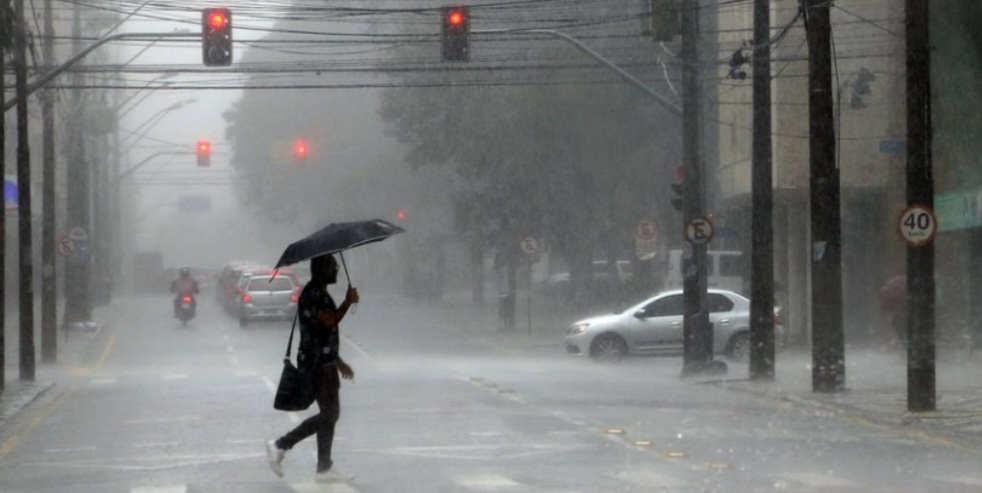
(26, 253)
(762, 211)
(697, 334)
(921, 394)
(78, 304)
(828, 345)
(4, 32)
(49, 285)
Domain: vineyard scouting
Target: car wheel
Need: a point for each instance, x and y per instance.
(608, 347)
(738, 349)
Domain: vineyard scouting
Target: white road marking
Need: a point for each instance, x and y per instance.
(68, 450)
(176, 376)
(312, 487)
(487, 482)
(161, 420)
(966, 480)
(648, 478)
(817, 480)
(102, 381)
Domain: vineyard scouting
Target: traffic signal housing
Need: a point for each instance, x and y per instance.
(456, 42)
(301, 151)
(203, 149)
(216, 37)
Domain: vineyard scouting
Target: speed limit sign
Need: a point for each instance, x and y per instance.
(917, 225)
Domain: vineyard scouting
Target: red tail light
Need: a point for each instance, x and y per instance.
(186, 299)
(247, 298)
(777, 318)
(294, 298)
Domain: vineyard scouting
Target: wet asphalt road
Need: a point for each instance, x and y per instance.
(157, 408)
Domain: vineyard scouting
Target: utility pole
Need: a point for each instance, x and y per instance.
(49, 286)
(920, 191)
(762, 222)
(828, 345)
(26, 250)
(4, 32)
(78, 305)
(697, 333)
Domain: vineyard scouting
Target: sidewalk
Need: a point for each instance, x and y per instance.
(17, 393)
(876, 380)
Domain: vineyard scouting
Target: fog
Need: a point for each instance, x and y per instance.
(538, 194)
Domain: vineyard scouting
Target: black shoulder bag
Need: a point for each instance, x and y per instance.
(296, 389)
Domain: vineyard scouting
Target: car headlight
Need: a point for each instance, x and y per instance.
(577, 329)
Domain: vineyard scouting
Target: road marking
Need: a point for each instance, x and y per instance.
(312, 487)
(817, 480)
(102, 381)
(487, 482)
(648, 478)
(176, 376)
(162, 420)
(155, 444)
(30, 425)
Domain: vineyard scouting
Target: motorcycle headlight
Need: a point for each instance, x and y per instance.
(577, 329)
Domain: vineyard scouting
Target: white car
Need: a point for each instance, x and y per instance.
(654, 327)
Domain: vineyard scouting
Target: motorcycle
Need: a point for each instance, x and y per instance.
(185, 311)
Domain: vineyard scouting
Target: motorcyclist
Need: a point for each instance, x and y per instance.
(185, 285)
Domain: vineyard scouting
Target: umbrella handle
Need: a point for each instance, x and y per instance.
(354, 306)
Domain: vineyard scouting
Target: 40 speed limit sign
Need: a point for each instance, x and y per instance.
(917, 225)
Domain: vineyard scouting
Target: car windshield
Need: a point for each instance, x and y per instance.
(449, 217)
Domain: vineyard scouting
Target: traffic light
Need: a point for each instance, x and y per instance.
(216, 37)
(678, 188)
(204, 153)
(401, 216)
(300, 151)
(456, 41)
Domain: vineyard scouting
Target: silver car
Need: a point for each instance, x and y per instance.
(654, 327)
(263, 298)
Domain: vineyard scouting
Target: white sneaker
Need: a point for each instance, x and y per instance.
(275, 456)
(332, 476)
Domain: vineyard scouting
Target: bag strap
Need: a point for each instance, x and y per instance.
(289, 343)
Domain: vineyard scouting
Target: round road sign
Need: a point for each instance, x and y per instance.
(699, 230)
(530, 245)
(917, 225)
(66, 246)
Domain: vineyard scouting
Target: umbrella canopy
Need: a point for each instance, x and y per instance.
(336, 238)
(893, 294)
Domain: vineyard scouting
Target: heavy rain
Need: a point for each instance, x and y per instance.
(551, 246)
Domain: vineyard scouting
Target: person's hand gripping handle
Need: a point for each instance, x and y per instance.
(352, 298)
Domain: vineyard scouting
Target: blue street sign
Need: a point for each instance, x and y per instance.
(9, 193)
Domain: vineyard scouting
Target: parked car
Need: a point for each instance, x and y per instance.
(266, 297)
(654, 327)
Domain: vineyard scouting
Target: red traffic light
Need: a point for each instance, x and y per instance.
(203, 148)
(401, 215)
(455, 17)
(300, 149)
(217, 20)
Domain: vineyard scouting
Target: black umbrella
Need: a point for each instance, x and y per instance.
(336, 238)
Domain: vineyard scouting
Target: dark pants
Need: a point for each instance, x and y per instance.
(327, 383)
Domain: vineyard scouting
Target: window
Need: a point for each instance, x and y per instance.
(717, 303)
(731, 265)
(264, 284)
(666, 307)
